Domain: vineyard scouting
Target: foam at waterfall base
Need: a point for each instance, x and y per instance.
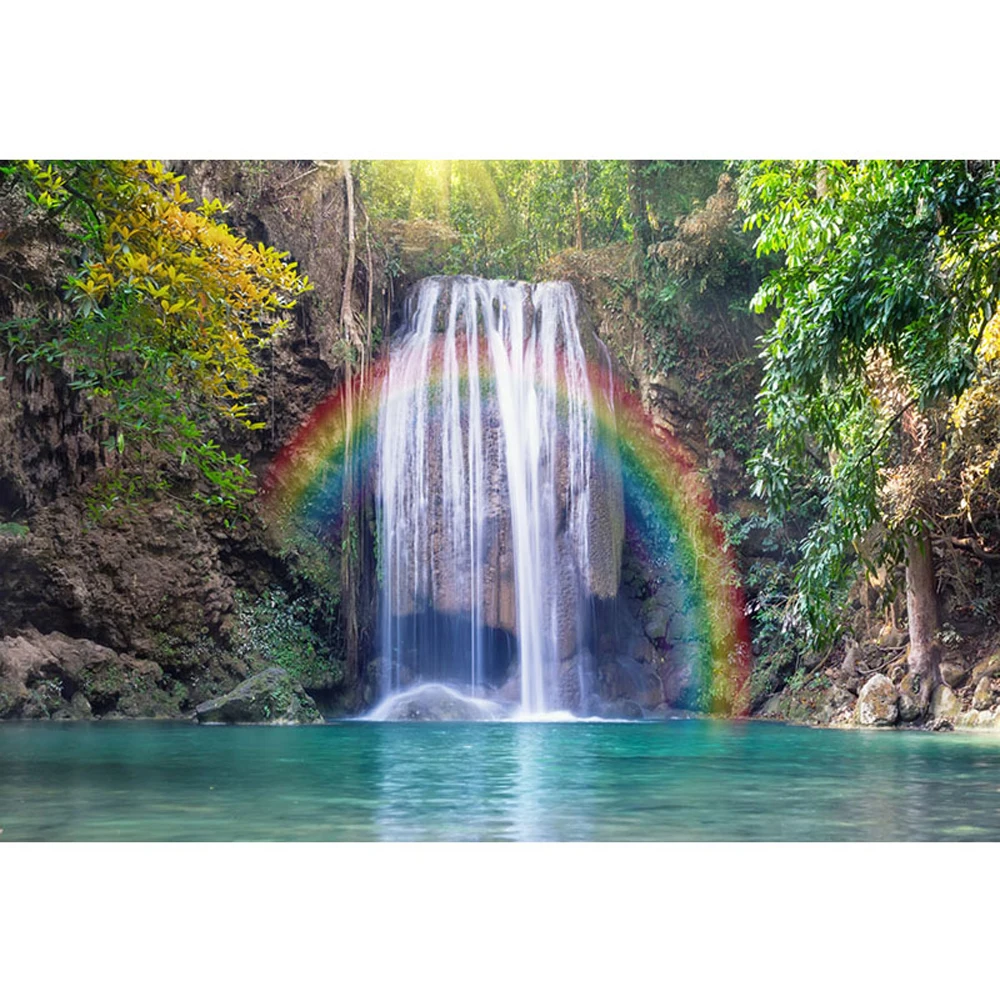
(442, 703)
(435, 703)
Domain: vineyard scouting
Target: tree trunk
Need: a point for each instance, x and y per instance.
(638, 208)
(349, 520)
(923, 622)
(579, 187)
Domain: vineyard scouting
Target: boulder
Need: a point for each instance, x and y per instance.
(914, 697)
(679, 679)
(954, 673)
(974, 719)
(625, 708)
(988, 667)
(619, 708)
(80, 707)
(848, 673)
(322, 676)
(945, 704)
(435, 703)
(878, 702)
(891, 638)
(625, 678)
(838, 704)
(268, 697)
(982, 698)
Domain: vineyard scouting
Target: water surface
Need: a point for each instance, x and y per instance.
(678, 780)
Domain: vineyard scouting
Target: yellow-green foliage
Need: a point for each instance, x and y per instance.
(199, 292)
(168, 307)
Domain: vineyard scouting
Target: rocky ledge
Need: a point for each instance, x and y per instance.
(968, 697)
(54, 676)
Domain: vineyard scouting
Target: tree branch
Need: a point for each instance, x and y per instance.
(971, 546)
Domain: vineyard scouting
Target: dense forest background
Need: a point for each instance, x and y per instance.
(819, 335)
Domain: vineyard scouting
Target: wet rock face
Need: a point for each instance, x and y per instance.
(509, 439)
(268, 697)
(655, 648)
(150, 584)
(878, 702)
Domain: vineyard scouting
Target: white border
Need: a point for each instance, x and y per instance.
(437, 80)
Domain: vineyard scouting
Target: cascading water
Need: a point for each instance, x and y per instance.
(486, 490)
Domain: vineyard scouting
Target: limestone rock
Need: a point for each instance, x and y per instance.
(510, 690)
(848, 673)
(619, 708)
(656, 619)
(774, 707)
(624, 709)
(891, 638)
(974, 719)
(570, 693)
(878, 702)
(54, 675)
(945, 704)
(625, 678)
(983, 698)
(914, 698)
(80, 707)
(953, 673)
(641, 649)
(269, 697)
(988, 667)
(678, 681)
(435, 703)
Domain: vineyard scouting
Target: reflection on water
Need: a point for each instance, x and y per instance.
(678, 780)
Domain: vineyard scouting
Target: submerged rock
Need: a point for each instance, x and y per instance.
(625, 708)
(619, 708)
(435, 703)
(268, 697)
(878, 702)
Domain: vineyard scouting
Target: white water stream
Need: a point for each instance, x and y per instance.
(485, 451)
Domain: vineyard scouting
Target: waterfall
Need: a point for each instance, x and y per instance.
(486, 437)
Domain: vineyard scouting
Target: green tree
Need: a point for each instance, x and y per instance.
(890, 271)
(510, 216)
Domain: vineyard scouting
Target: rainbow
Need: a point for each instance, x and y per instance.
(671, 518)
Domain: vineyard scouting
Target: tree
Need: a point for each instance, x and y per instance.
(509, 216)
(167, 309)
(889, 278)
